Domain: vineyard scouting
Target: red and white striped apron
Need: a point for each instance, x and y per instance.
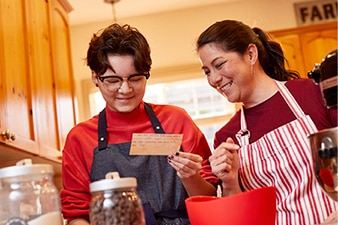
(282, 158)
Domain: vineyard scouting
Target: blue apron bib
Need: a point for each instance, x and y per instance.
(162, 198)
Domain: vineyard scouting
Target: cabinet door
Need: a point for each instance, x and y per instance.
(63, 71)
(317, 44)
(291, 46)
(40, 59)
(16, 106)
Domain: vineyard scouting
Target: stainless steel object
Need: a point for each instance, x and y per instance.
(324, 143)
(324, 146)
(326, 75)
(329, 79)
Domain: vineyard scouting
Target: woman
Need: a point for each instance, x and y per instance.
(265, 143)
(119, 58)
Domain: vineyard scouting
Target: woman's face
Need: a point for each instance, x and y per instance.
(127, 97)
(228, 72)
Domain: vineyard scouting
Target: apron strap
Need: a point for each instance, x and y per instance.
(290, 100)
(153, 118)
(102, 134)
(102, 125)
(103, 144)
(243, 134)
(148, 214)
(154, 121)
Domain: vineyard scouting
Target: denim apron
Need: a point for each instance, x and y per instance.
(163, 199)
(282, 158)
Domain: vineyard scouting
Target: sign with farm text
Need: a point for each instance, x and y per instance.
(316, 12)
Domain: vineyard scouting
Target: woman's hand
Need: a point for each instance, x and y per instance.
(332, 219)
(186, 164)
(225, 164)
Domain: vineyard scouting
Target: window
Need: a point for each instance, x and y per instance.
(194, 95)
(203, 103)
(96, 102)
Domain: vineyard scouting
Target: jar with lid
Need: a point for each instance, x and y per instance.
(28, 195)
(115, 201)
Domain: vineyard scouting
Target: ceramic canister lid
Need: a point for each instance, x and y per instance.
(113, 181)
(25, 167)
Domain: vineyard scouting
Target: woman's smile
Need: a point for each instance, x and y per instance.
(225, 88)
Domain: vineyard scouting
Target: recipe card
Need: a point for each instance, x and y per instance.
(155, 144)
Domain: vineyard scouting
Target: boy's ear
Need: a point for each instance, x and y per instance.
(94, 79)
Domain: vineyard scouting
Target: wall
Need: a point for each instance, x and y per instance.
(172, 35)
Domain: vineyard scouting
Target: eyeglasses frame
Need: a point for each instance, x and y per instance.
(102, 78)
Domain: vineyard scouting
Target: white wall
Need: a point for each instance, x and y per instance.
(172, 35)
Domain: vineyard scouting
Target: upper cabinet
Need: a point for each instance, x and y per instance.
(305, 46)
(63, 71)
(36, 85)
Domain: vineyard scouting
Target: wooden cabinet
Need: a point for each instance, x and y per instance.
(308, 45)
(36, 84)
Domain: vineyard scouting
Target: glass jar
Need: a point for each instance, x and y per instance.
(115, 202)
(28, 195)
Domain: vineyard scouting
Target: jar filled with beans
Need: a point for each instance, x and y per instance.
(115, 202)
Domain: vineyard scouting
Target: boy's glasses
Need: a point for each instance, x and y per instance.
(113, 83)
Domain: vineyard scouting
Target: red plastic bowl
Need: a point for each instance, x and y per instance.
(255, 207)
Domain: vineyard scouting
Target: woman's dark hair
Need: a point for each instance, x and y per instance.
(235, 36)
(118, 40)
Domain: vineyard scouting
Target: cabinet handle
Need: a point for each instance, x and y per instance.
(8, 135)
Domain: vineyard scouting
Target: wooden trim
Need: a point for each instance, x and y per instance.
(303, 29)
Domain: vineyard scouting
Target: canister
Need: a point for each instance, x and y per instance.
(28, 195)
(115, 201)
